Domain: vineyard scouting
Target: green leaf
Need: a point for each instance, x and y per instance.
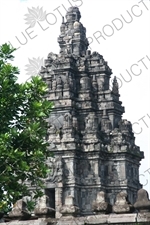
(23, 129)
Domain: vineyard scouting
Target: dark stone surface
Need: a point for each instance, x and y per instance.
(96, 146)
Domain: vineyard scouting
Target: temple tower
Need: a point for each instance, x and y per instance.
(94, 147)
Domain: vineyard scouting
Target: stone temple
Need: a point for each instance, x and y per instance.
(94, 148)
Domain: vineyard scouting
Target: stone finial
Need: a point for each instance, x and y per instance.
(115, 87)
(73, 14)
(19, 210)
(142, 203)
(125, 125)
(69, 208)
(122, 205)
(100, 206)
(42, 209)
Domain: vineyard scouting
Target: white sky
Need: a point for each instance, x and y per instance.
(122, 49)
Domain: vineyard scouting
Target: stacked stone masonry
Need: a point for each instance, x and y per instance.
(94, 147)
(122, 212)
(94, 175)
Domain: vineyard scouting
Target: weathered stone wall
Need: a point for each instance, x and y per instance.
(94, 147)
(122, 212)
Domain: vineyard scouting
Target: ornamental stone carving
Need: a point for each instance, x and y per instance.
(55, 166)
(122, 205)
(67, 121)
(90, 126)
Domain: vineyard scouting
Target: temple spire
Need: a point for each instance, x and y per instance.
(72, 39)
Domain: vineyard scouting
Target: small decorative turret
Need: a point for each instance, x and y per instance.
(105, 122)
(115, 87)
(62, 27)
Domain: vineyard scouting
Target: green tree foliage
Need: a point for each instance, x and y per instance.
(23, 127)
